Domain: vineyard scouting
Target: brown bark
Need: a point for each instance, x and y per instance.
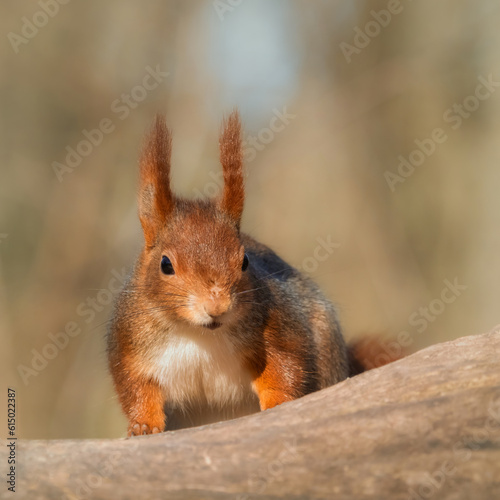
(427, 426)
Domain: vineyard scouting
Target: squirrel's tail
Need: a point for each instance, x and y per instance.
(370, 352)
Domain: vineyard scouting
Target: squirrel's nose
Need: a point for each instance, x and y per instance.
(218, 303)
(216, 308)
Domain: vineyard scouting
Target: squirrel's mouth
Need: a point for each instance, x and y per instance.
(213, 325)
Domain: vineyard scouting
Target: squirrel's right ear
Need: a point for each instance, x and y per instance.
(156, 200)
(231, 157)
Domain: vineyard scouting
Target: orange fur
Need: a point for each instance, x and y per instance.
(156, 200)
(371, 352)
(277, 369)
(141, 399)
(231, 158)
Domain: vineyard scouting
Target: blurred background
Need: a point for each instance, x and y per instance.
(337, 98)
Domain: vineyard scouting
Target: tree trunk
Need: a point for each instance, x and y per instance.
(427, 426)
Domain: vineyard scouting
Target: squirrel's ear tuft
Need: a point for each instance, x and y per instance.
(156, 200)
(231, 157)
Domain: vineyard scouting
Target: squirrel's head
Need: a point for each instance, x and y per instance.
(193, 266)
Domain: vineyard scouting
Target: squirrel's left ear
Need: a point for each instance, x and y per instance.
(231, 158)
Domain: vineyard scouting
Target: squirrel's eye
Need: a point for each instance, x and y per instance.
(244, 266)
(166, 266)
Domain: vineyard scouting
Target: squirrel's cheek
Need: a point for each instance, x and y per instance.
(206, 308)
(194, 312)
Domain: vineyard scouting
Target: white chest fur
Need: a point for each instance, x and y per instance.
(196, 369)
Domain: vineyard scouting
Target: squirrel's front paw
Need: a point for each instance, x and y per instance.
(136, 429)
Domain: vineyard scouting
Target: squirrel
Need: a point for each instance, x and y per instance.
(213, 324)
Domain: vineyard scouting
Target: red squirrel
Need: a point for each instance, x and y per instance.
(213, 324)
